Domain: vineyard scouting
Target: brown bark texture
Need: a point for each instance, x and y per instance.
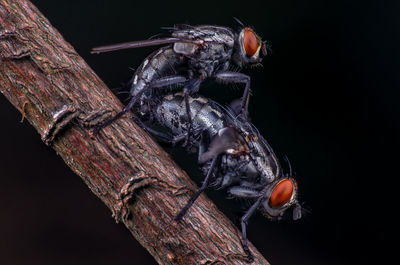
(61, 96)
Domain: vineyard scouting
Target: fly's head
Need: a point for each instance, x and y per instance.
(280, 190)
(249, 48)
(279, 196)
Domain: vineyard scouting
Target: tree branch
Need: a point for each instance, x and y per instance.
(58, 93)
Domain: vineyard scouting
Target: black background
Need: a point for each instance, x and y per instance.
(326, 97)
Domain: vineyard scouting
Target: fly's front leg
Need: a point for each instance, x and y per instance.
(243, 222)
(203, 187)
(162, 82)
(234, 77)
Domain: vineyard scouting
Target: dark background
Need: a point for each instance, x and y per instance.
(326, 97)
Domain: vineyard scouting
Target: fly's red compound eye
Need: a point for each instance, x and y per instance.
(281, 194)
(250, 42)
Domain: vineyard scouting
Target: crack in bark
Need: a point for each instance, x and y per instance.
(60, 120)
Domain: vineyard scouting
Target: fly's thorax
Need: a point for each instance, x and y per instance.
(206, 34)
(265, 162)
(261, 156)
(208, 48)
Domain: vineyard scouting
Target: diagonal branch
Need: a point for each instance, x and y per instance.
(58, 93)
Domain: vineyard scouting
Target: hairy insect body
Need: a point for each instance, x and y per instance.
(232, 155)
(192, 54)
(258, 162)
(160, 63)
(211, 53)
(171, 114)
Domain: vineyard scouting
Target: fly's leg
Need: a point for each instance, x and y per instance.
(189, 116)
(243, 222)
(204, 142)
(234, 77)
(191, 88)
(180, 137)
(168, 81)
(162, 82)
(160, 136)
(244, 192)
(199, 191)
(130, 105)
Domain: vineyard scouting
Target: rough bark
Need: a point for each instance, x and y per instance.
(58, 93)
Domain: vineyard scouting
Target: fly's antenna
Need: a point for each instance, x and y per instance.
(266, 48)
(238, 21)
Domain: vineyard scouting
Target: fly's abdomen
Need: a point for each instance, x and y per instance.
(160, 63)
(171, 113)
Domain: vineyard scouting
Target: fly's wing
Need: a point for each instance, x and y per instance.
(227, 138)
(193, 38)
(187, 39)
(134, 44)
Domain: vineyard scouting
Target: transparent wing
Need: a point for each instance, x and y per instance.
(227, 138)
(134, 44)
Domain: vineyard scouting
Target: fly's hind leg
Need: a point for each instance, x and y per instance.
(191, 88)
(243, 223)
(203, 187)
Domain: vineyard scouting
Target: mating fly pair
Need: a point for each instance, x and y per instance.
(192, 54)
(232, 155)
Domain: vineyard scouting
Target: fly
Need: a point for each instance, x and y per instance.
(232, 155)
(191, 55)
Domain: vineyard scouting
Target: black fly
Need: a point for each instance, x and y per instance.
(192, 54)
(232, 155)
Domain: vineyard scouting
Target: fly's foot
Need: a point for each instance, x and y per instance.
(250, 257)
(178, 217)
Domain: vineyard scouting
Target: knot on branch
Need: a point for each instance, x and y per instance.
(128, 192)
